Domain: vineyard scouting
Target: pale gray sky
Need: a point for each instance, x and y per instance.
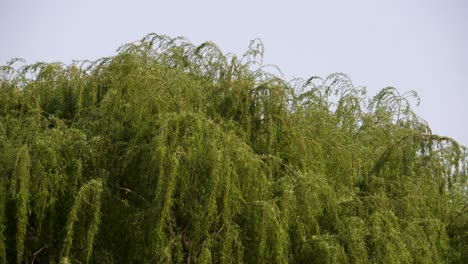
(417, 45)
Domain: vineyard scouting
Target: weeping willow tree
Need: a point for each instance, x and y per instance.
(169, 152)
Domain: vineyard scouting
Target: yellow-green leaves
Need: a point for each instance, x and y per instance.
(86, 211)
(20, 190)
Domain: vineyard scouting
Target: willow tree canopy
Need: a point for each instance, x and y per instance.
(175, 153)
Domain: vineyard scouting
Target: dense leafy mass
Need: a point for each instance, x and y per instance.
(175, 153)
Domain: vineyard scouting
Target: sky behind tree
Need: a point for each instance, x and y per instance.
(411, 45)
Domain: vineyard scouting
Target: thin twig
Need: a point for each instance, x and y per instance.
(37, 252)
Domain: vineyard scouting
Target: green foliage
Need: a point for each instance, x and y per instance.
(3, 200)
(20, 195)
(175, 153)
(88, 196)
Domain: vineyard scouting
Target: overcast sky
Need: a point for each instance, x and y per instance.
(417, 45)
